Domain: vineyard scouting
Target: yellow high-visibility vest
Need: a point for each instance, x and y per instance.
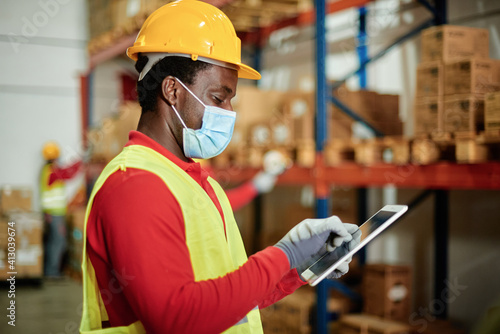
(53, 197)
(211, 254)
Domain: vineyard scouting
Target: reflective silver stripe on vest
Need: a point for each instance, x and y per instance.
(245, 319)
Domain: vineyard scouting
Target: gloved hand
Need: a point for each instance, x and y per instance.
(339, 252)
(309, 236)
(264, 182)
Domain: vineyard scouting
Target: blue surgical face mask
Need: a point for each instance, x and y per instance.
(215, 133)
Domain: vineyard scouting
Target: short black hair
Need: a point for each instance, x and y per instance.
(183, 68)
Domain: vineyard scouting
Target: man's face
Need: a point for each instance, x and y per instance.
(215, 86)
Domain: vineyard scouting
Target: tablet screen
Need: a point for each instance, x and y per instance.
(372, 227)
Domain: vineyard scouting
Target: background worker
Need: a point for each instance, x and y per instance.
(163, 253)
(54, 206)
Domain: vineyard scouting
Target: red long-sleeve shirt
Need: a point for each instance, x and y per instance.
(137, 245)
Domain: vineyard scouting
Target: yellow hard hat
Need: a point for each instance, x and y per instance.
(193, 28)
(50, 151)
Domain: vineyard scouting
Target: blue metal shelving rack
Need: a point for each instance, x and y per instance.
(438, 9)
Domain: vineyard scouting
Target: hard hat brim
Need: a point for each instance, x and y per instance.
(246, 72)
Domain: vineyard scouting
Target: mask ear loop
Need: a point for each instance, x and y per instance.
(196, 97)
(179, 116)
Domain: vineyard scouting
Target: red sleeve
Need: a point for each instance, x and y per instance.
(288, 284)
(242, 195)
(145, 238)
(64, 173)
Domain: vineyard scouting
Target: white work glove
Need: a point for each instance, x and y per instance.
(264, 182)
(309, 237)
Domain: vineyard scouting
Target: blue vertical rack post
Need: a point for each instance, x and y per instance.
(258, 201)
(362, 51)
(362, 48)
(322, 210)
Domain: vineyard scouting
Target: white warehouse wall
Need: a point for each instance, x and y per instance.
(43, 47)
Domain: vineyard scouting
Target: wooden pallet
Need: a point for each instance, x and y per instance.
(370, 324)
(461, 147)
(395, 150)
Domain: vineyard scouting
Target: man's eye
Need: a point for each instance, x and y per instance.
(217, 99)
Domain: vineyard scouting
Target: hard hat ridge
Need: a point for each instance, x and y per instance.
(193, 28)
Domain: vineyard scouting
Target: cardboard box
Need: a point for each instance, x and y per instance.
(379, 110)
(427, 112)
(340, 126)
(471, 76)
(463, 113)
(492, 111)
(299, 107)
(449, 42)
(15, 198)
(253, 106)
(387, 291)
(28, 228)
(430, 79)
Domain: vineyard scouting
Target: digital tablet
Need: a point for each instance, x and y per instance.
(328, 262)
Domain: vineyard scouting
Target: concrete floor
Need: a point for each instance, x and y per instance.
(54, 307)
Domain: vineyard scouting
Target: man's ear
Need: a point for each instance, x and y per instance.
(169, 90)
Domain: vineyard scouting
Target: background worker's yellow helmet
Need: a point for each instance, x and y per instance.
(50, 151)
(193, 28)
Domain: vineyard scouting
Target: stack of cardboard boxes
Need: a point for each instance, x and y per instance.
(21, 232)
(286, 121)
(452, 79)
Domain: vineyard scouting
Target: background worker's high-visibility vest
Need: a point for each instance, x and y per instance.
(53, 196)
(213, 253)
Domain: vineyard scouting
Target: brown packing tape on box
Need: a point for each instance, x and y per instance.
(471, 76)
(464, 112)
(492, 111)
(448, 42)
